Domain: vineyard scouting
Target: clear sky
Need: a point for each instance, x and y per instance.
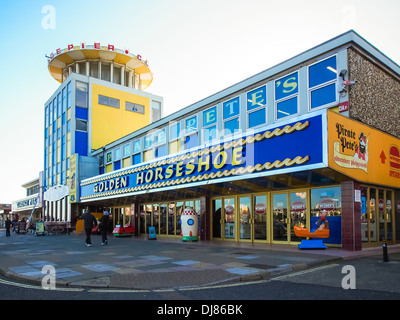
(195, 48)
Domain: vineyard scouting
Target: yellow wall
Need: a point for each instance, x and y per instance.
(79, 223)
(379, 164)
(110, 124)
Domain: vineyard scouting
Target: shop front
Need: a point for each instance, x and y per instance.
(270, 217)
(259, 186)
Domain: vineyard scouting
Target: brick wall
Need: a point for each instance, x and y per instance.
(351, 217)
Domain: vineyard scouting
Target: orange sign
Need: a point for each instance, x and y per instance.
(363, 153)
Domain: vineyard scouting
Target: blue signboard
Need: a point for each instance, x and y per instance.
(288, 147)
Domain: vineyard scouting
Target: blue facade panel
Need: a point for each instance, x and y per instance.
(81, 143)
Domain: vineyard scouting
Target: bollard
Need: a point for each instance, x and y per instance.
(385, 254)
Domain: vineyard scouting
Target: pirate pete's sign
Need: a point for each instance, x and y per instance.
(359, 151)
(350, 150)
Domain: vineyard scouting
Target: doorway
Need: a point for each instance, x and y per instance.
(240, 218)
(289, 209)
(377, 215)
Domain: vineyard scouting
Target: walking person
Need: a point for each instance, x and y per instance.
(104, 227)
(8, 225)
(89, 221)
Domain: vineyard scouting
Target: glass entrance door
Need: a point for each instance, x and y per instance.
(298, 213)
(217, 221)
(288, 210)
(229, 218)
(252, 221)
(224, 218)
(280, 220)
(246, 224)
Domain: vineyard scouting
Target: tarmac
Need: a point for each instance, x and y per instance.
(136, 263)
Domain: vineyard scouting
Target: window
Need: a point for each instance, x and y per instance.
(174, 131)
(191, 141)
(155, 111)
(64, 100)
(160, 151)
(191, 138)
(117, 74)
(54, 109)
(191, 125)
(256, 105)
(81, 113)
(108, 101)
(136, 159)
(174, 146)
(286, 96)
(82, 68)
(94, 69)
(210, 133)
(209, 124)
(59, 102)
(148, 141)
(69, 95)
(328, 199)
(46, 120)
(160, 137)
(117, 165)
(108, 157)
(117, 154)
(127, 150)
(322, 79)
(134, 107)
(136, 146)
(106, 71)
(81, 125)
(231, 111)
(81, 94)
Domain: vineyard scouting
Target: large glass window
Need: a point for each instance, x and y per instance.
(322, 79)
(330, 200)
(286, 96)
(256, 105)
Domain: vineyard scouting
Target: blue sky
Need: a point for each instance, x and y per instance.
(194, 48)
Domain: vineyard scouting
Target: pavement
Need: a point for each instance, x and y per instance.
(137, 263)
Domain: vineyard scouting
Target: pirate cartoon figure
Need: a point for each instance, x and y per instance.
(361, 150)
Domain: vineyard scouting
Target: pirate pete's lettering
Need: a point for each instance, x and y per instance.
(345, 136)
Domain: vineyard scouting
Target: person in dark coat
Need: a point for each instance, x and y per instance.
(89, 221)
(104, 227)
(8, 225)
